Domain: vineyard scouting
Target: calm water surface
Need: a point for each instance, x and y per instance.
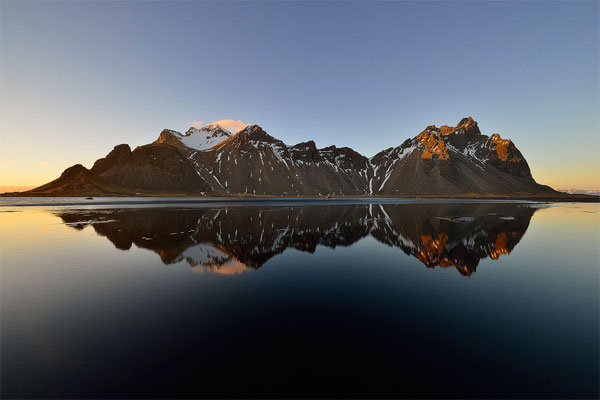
(402, 300)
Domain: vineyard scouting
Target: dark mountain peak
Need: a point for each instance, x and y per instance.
(253, 133)
(308, 146)
(346, 158)
(466, 121)
(448, 160)
(343, 151)
(305, 151)
(467, 126)
(120, 149)
(115, 157)
(252, 128)
(328, 148)
(169, 131)
(433, 141)
(169, 136)
(74, 170)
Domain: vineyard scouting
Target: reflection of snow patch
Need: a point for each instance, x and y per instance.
(457, 219)
(205, 254)
(537, 205)
(90, 222)
(206, 257)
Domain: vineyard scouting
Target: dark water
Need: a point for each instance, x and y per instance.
(351, 300)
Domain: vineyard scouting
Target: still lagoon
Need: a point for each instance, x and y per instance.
(299, 299)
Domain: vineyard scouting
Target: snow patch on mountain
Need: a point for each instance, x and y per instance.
(204, 138)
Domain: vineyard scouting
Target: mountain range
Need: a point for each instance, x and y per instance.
(212, 161)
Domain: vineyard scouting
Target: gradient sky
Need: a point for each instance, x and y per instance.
(77, 78)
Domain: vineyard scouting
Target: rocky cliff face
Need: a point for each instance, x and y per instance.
(254, 162)
(156, 167)
(211, 160)
(454, 160)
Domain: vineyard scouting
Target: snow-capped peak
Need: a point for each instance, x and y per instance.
(229, 125)
(204, 138)
(215, 126)
(210, 135)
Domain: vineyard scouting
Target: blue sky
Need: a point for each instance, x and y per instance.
(78, 78)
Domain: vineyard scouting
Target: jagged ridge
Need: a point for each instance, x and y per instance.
(213, 161)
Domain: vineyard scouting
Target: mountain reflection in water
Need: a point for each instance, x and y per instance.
(233, 239)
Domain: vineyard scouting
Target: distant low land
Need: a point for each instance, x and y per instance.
(446, 162)
(15, 189)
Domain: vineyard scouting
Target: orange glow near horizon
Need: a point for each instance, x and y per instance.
(20, 171)
(4, 189)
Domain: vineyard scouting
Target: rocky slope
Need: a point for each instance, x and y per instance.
(453, 160)
(254, 162)
(213, 161)
(155, 167)
(77, 180)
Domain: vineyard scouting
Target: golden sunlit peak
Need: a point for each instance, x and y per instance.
(233, 126)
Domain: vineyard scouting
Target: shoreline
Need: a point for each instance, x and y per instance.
(21, 201)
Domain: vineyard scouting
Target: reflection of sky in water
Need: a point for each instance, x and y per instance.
(365, 314)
